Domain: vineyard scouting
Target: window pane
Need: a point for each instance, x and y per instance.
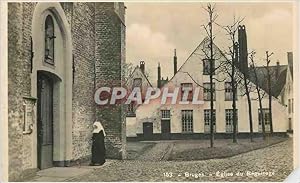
(206, 66)
(207, 120)
(206, 91)
(49, 40)
(187, 120)
(165, 114)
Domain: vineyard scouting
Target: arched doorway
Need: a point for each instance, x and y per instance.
(51, 84)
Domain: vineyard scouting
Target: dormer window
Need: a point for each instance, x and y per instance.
(49, 40)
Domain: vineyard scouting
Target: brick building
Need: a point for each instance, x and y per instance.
(58, 55)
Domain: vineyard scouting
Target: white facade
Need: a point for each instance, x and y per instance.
(137, 77)
(287, 98)
(192, 72)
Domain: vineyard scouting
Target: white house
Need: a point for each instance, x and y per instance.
(179, 121)
(137, 78)
(287, 97)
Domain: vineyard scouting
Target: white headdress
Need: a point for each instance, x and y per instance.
(98, 127)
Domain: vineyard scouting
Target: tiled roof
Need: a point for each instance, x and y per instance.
(278, 78)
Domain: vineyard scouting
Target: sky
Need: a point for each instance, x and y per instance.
(154, 30)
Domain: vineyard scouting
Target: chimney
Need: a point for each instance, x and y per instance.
(158, 76)
(290, 58)
(277, 69)
(142, 66)
(243, 51)
(175, 62)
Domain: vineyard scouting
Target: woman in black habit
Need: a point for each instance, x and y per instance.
(98, 146)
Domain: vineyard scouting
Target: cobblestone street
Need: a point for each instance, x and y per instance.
(273, 163)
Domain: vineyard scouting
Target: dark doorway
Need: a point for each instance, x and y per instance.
(148, 130)
(45, 121)
(165, 129)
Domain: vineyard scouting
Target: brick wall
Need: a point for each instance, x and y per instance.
(108, 51)
(14, 81)
(19, 86)
(83, 37)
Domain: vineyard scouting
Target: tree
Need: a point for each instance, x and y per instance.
(269, 88)
(260, 93)
(247, 87)
(230, 68)
(210, 9)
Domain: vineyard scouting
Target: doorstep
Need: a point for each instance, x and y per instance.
(60, 174)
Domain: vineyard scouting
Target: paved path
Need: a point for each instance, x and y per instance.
(273, 163)
(159, 152)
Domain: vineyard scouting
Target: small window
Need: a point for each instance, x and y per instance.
(137, 82)
(206, 91)
(131, 107)
(49, 40)
(187, 120)
(189, 88)
(165, 114)
(229, 92)
(266, 119)
(229, 120)
(206, 66)
(207, 120)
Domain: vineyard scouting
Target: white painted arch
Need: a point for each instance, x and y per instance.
(62, 71)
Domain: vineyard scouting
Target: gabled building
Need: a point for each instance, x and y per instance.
(137, 78)
(286, 94)
(180, 121)
(281, 84)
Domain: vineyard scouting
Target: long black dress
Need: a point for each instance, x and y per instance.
(98, 149)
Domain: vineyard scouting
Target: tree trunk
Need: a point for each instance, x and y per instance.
(234, 90)
(261, 116)
(211, 85)
(260, 104)
(270, 100)
(270, 91)
(249, 107)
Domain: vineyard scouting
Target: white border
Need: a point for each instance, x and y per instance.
(3, 94)
(4, 79)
